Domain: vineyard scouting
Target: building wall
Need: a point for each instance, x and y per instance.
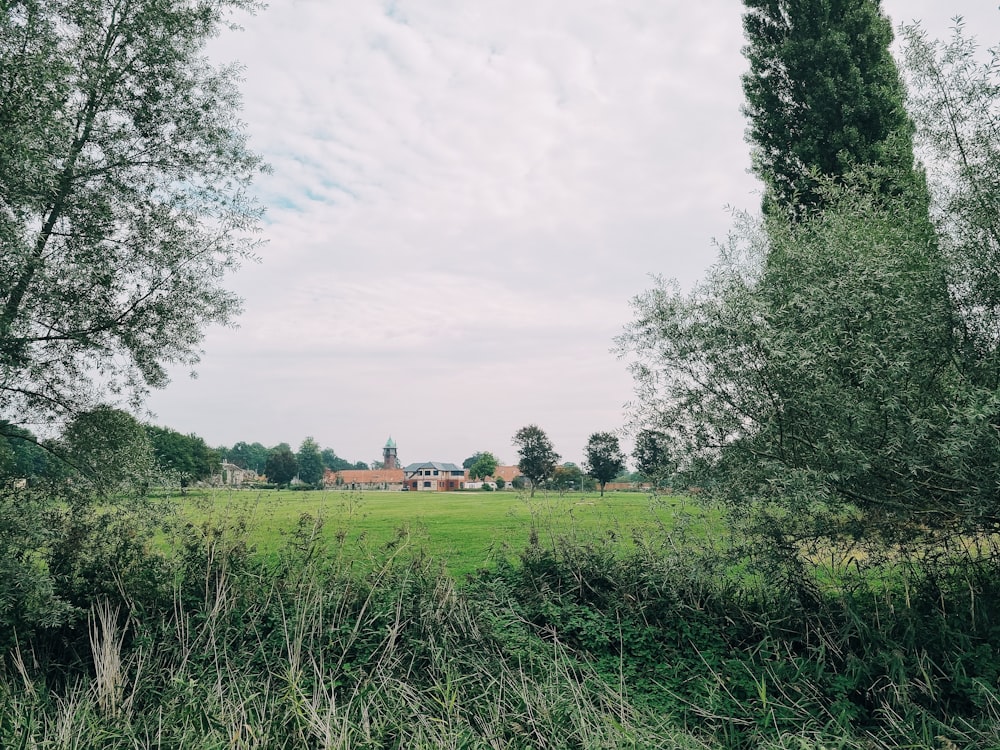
(431, 479)
(435, 484)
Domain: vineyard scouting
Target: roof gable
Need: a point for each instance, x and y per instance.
(440, 466)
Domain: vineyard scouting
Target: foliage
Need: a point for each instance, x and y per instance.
(467, 463)
(567, 476)
(110, 450)
(22, 456)
(653, 456)
(538, 459)
(281, 466)
(604, 458)
(825, 376)
(187, 458)
(63, 548)
(484, 466)
(310, 462)
(845, 367)
(678, 644)
(123, 179)
(29, 601)
(759, 652)
(824, 96)
(501, 483)
(955, 101)
(248, 456)
(307, 654)
(360, 466)
(334, 462)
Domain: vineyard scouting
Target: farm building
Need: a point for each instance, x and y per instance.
(365, 479)
(434, 476)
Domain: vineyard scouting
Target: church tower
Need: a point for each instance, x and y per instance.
(389, 459)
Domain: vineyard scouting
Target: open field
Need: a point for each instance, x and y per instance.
(464, 530)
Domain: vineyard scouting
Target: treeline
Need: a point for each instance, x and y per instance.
(254, 456)
(106, 444)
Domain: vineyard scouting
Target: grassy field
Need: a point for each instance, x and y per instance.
(464, 530)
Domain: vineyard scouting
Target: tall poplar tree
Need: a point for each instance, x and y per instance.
(824, 96)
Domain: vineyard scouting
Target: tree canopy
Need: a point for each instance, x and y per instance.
(837, 371)
(282, 465)
(22, 456)
(109, 450)
(484, 466)
(123, 181)
(604, 458)
(310, 462)
(538, 458)
(249, 456)
(823, 96)
(652, 455)
(185, 457)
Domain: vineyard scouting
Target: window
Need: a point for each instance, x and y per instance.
(435, 472)
(427, 484)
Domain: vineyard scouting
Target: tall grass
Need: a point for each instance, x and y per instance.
(682, 642)
(304, 654)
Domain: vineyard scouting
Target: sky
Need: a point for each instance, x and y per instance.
(465, 197)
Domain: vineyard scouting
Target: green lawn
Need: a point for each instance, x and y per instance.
(465, 530)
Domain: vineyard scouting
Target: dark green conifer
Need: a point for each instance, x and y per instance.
(824, 96)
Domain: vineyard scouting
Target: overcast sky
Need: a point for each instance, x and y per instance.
(466, 195)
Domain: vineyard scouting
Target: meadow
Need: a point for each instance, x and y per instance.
(463, 531)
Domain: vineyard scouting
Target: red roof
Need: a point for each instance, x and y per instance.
(508, 473)
(365, 476)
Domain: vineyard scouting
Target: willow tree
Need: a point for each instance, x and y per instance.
(123, 177)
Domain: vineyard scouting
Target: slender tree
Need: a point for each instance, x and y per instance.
(824, 96)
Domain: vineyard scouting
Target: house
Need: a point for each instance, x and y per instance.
(364, 479)
(434, 476)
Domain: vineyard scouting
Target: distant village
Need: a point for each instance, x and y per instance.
(426, 476)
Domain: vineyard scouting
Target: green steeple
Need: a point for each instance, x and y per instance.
(390, 443)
